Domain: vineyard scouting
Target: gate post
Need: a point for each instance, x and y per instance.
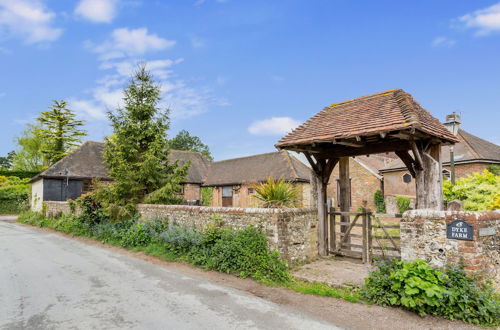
(369, 236)
(364, 250)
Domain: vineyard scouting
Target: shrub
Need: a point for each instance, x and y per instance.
(136, 235)
(206, 195)
(403, 203)
(477, 191)
(418, 287)
(18, 174)
(378, 198)
(495, 169)
(180, 240)
(14, 194)
(277, 193)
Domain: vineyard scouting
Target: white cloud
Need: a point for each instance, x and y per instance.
(130, 42)
(2, 94)
(28, 19)
(98, 11)
(273, 126)
(277, 78)
(485, 20)
(443, 42)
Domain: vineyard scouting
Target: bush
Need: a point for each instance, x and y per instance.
(403, 203)
(418, 287)
(244, 252)
(206, 195)
(19, 174)
(277, 193)
(478, 191)
(495, 169)
(14, 194)
(378, 198)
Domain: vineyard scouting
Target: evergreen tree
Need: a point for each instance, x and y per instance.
(6, 162)
(59, 130)
(137, 153)
(185, 141)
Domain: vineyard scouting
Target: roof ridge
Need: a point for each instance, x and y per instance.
(64, 158)
(243, 157)
(290, 162)
(404, 100)
(364, 97)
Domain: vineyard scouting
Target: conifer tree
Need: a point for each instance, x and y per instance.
(60, 131)
(137, 153)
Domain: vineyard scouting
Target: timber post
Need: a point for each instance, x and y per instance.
(344, 192)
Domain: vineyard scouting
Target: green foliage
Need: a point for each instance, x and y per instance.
(403, 203)
(59, 131)
(495, 169)
(184, 141)
(378, 198)
(207, 194)
(478, 191)
(29, 156)
(14, 194)
(277, 193)
(418, 287)
(324, 290)
(244, 252)
(6, 162)
(137, 153)
(19, 174)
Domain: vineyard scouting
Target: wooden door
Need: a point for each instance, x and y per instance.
(227, 196)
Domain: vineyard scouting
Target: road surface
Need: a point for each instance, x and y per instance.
(48, 281)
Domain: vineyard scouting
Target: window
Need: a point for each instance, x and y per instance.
(251, 191)
(446, 175)
(227, 191)
(406, 178)
(87, 186)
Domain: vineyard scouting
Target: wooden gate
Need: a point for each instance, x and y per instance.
(363, 235)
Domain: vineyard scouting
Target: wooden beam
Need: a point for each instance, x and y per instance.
(354, 144)
(344, 191)
(417, 154)
(428, 181)
(408, 161)
(313, 164)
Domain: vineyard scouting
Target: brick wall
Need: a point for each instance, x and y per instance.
(291, 231)
(423, 236)
(364, 184)
(242, 197)
(191, 192)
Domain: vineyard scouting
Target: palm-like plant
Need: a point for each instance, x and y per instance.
(277, 193)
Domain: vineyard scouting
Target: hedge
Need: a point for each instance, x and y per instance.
(19, 174)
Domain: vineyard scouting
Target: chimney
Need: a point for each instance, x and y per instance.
(452, 123)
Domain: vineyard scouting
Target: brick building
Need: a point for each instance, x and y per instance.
(472, 154)
(234, 179)
(365, 179)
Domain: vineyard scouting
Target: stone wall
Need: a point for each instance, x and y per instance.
(423, 235)
(54, 209)
(291, 231)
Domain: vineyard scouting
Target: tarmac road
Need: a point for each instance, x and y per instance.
(48, 281)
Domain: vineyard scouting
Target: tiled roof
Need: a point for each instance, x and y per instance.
(470, 148)
(86, 162)
(368, 115)
(257, 168)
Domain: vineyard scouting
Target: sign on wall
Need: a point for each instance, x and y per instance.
(459, 229)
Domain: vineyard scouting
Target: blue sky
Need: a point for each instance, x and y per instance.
(239, 74)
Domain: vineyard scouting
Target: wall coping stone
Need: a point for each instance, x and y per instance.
(234, 210)
(429, 214)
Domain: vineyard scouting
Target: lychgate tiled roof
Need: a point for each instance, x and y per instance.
(368, 115)
(257, 168)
